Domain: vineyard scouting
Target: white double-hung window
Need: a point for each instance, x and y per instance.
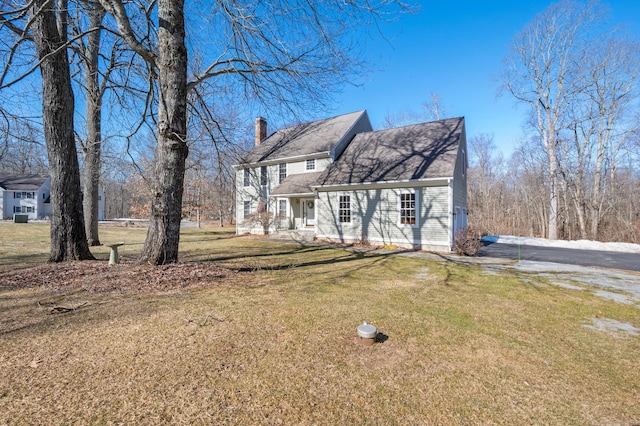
(311, 164)
(344, 208)
(282, 208)
(246, 178)
(263, 176)
(407, 202)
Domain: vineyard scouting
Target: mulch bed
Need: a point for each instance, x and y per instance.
(124, 278)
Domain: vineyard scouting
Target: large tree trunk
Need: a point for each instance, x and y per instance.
(93, 145)
(68, 238)
(163, 237)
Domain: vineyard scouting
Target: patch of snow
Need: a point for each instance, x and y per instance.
(535, 283)
(616, 297)
(612, 285)
(567, 285)
(533, 266)
(613, 326)
(491, 271)
(577, 244)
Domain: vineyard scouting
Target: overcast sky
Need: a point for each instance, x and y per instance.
(455, 49)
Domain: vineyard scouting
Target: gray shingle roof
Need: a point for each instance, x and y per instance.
(297, 184)
(21, 182)
(420, 151)
(304, 139)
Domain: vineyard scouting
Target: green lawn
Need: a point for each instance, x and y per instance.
(273, 341)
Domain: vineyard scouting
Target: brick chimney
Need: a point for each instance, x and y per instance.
(261, 130)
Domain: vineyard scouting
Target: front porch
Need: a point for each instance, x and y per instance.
(295, 213)
(294, 206)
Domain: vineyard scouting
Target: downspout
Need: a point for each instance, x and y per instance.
(450, 230)
(315, 211)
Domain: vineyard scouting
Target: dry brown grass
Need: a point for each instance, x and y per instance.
(271, 341)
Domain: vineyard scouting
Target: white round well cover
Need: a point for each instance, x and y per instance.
(367, 331)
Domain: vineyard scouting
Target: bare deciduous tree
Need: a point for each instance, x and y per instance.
(48, 22)
(279, 53)
(432, 109)
(542, 72)
(21, 149)
(579, 77)
(89, 54)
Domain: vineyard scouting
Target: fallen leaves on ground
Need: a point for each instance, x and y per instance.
(124, 278)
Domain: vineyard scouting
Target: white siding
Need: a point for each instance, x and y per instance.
(29, 205)
(297, 167)
(375, 217)
(254, 193)
(43, 193)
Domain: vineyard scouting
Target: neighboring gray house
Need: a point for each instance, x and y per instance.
(405, 186)
(30, 195)
(24, 194)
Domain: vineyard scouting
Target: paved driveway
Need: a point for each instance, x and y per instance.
(605, 259)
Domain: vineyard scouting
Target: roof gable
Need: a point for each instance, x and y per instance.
(305, 139)
(22, 182)
(417, 152)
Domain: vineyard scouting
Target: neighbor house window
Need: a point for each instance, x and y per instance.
(28, 195)
(282, 172)
(344, 208)
(247, 208)
(311, 164)
(17, 209)
(247, 177)
(30, 209)
(17, 195)
(282, 208)
(408, 208)
(263, 175)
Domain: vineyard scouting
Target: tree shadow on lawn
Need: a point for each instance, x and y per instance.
(277, 265)
(25, 312)
(332, 261)
(32, 313)
(262, 251)
(184, 238)
(9, 262)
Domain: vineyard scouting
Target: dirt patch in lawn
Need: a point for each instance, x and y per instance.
(125, 278)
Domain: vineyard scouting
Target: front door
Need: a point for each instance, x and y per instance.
(309, 212)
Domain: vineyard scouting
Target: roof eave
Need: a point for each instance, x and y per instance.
(404, 183)
(297, 194)
(320, 154)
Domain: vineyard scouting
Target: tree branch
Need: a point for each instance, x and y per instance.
(117, 10)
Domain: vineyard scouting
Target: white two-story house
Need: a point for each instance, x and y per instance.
(24, 194)
(338, 180)
(274, 180)
(31, 195)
